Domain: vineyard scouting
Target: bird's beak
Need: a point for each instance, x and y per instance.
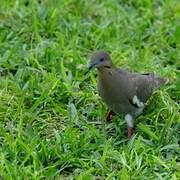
(91, 66)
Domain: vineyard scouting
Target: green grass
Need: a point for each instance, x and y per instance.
(52, 122)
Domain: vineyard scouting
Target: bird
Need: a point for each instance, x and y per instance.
(123, 91)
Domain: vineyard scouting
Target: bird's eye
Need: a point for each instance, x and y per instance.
(101, 60)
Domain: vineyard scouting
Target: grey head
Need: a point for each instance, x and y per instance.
(100, 59)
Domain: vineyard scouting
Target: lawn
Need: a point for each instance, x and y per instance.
(52, 121)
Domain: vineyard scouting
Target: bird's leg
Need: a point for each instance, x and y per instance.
(130, 132)
(129, 120)
(109, 115)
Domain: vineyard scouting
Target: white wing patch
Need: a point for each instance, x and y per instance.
(137, 102)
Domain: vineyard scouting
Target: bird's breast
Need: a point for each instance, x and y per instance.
(110, 89)
(113, 89)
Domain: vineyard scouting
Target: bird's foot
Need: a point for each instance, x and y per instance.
(130, 132)
(109, 116)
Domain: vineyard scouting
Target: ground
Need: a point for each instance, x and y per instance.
(52, 121)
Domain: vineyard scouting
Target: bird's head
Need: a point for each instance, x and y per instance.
(100, 60)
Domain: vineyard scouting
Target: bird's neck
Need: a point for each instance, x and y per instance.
(104, 72)
(105, 68)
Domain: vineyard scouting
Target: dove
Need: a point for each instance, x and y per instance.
(124, 92)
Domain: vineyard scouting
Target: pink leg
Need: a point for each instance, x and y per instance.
(130, 132)
(109, 116)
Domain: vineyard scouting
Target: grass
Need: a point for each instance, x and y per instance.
(52, 122)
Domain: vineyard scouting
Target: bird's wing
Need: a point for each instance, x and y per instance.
(141, 86)
(146, 84)
(138, 87)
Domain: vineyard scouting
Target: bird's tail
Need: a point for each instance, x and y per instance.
(159, 81)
